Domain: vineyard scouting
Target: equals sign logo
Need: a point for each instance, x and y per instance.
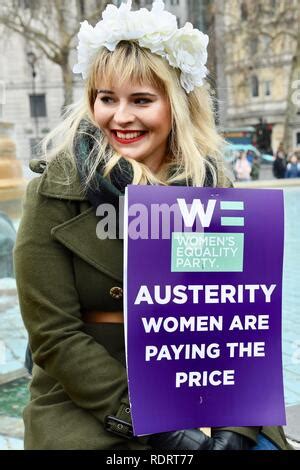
(232, 206)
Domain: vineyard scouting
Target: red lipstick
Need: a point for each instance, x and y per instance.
(128, 141)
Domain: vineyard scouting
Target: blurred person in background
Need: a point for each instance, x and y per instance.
(279, 164)
(242, 168)
(293, 167)
(255, 169)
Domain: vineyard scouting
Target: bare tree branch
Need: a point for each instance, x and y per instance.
(51, 28)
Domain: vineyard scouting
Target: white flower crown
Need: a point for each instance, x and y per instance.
(184, 48)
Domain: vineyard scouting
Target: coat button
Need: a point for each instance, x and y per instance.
(116, 292)
(37, 166)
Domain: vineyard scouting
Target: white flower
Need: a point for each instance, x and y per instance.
(85, 48)
(187, 50)
(156, 30)
(161, 25)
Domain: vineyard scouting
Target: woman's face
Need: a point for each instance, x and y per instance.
(136, 120)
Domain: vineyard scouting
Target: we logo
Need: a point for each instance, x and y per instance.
(208, 251)
(205, 215)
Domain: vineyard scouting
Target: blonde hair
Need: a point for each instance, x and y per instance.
(194, 144)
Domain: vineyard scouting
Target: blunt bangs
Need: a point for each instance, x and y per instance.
(128, 62)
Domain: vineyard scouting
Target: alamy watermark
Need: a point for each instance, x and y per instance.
(153, 221)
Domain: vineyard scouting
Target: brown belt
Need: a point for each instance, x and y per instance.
(96, 316)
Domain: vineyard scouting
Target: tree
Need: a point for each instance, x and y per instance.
(51, 28)
(270, 29)
(277, 21)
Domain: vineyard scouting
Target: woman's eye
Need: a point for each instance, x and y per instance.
(142, 101)
(108, 100)
(105, 99)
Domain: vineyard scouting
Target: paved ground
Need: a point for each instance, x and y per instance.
(13, 337)
(11, 433)
(292, 430)
(291, 298)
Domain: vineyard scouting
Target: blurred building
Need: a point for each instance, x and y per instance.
(32, 104)
(185, 10)
(33, 89)
(256, 48)
(177, 7)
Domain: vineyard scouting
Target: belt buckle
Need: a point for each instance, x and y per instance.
(118, 426)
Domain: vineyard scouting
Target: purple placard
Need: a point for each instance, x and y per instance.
(203, 307)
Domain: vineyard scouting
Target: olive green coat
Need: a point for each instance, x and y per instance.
(79, 376)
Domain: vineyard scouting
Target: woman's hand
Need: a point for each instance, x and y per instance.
(194, 439)
(226, 440)
(189, 439)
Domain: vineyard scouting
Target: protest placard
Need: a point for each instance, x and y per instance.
(203, 293)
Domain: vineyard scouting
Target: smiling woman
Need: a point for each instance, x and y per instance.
(132, 89)
(146, 117)
(136, 121)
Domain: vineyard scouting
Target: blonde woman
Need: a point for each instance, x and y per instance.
(144, 119)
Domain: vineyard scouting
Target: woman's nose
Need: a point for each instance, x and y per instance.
(123, 115)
